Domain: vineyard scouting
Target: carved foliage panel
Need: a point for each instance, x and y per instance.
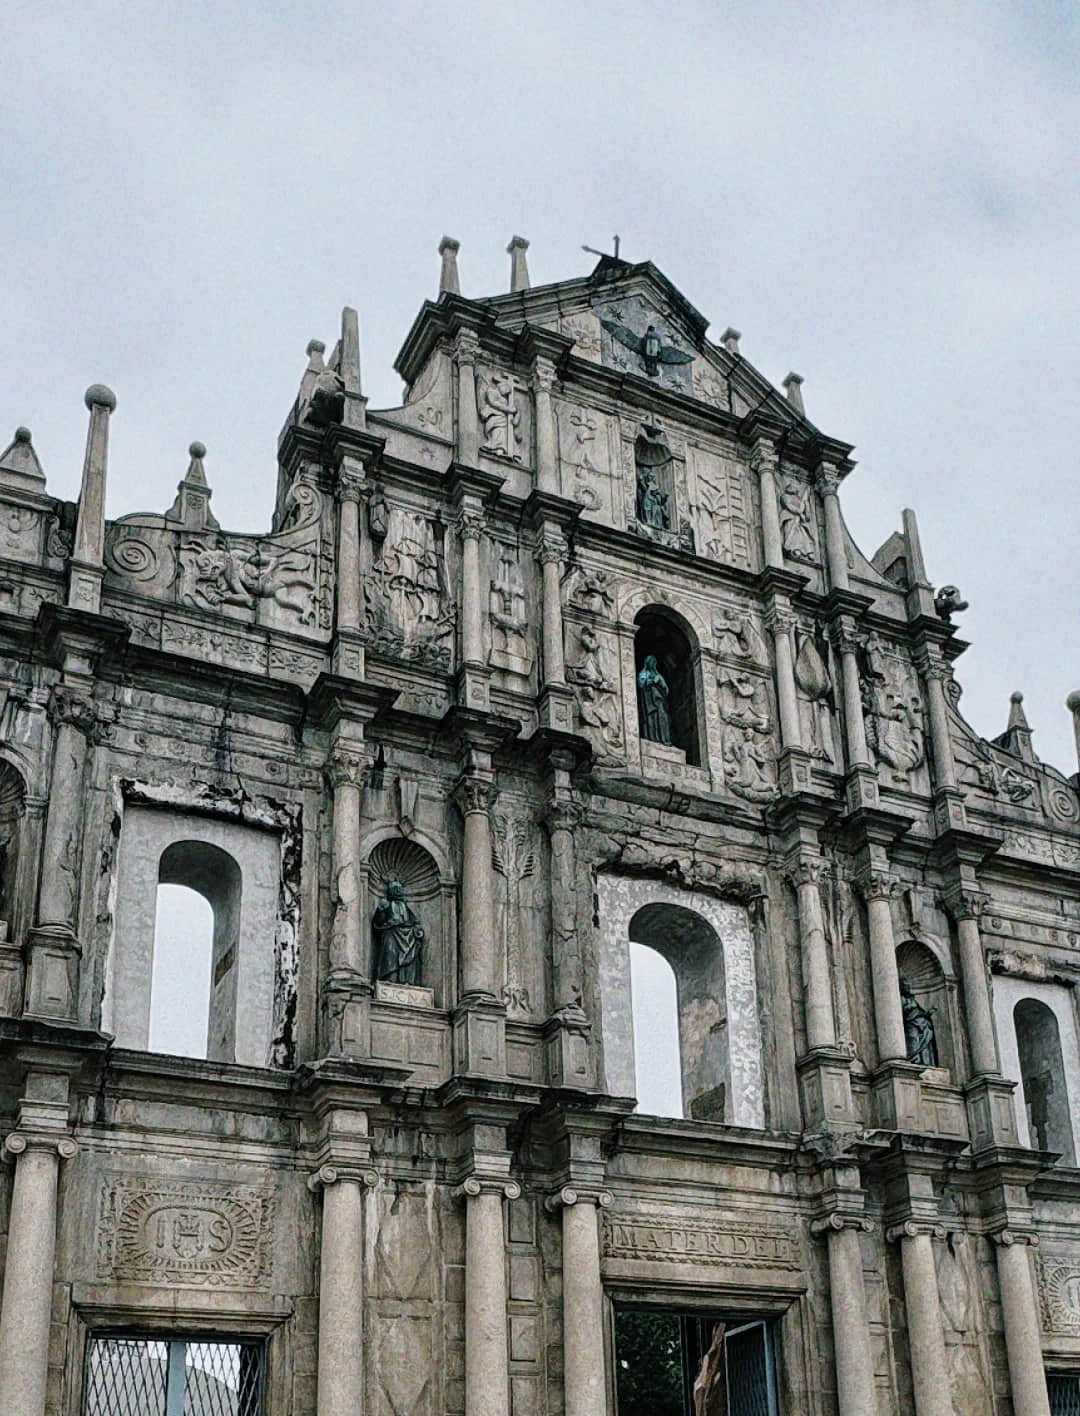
(521, 906)
(723, 508)
(588, 451)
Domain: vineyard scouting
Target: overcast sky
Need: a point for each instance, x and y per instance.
(883, 198)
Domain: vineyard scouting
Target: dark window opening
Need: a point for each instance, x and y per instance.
(166, 1376)
(1063, 1389)
(686, 1364)
(661, 637)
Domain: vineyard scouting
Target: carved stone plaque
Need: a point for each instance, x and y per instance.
(201, 1233)
(1059, 1293)
(685, 1239)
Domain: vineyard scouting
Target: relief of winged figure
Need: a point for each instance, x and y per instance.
(649, 347)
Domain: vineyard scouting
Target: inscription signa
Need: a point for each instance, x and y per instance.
(716, 1242)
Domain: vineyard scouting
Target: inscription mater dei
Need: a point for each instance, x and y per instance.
(202, 1233)
(694, 1241)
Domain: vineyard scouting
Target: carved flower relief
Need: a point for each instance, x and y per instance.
(584, 330)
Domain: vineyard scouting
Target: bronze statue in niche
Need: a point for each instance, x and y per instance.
(652, 461)
(399, 938)
(919, 1036)
(654, 719)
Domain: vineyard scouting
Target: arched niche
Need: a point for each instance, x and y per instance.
(662, 634)
(695, 954)
(237, 870)
(406, 861)
(1042, 1078)
(922, 978)
(709, 943)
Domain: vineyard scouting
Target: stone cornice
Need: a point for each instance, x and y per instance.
(332, 698)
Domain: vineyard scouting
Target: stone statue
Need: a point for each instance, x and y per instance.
(918, 1029)
(5, 842)
(399, 938)
(654, 721)
(948, 602)
(651, 505)
(796, 522)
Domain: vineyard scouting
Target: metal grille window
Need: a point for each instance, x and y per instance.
(684, 1364)
(146, 1376)
(1064, 1389)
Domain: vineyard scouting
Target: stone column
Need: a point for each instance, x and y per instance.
(828, 481)
(351, 487)
(552, 555)
(1027, 1375)
(805, 875)
(345, 770)
(28, 1271)
(546, 455)
(487, 1381)
(585, 1371)
(781, 623)
(878, 888)
(341, 1291)
(87, 564)
(855, 1391)
(563, 819)
(471, 526)
(466, 348)
(858, 754)
(764, 462)
(926, 1341)
(935, 675)
(966, 907)
(479, 973)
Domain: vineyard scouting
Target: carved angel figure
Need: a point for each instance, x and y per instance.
(499, 413)
(796, 523)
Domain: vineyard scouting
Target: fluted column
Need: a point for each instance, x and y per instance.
(345, 770)
(828, 482)
(28, 1270)
(479, 971)
(341, 1290)
(466, 349)
(552, 556)
(351, 488)
(1020, 1317)
(966, 908)
(487, 1381)
(781, 623)
(471, 526)
(805, 874)
(855, 1391)
(764, 462)
(585, 1373)
(546, 458)
(878, 888)
(926, 1340)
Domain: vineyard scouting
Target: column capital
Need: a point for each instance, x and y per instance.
(16, 1143)
(1005, 1238)
(543, 374)
(345, 766)
(912, 1228)
(551, 546)
(763, 455)
(564, 815)
(475, 1185)
(471, 523)
(845, 638)
(328, 1175)
(965, 902)
(572, 1195)
(877, 884)
(931, 665)
(827, 479)
(351, 486)
(779, 618)
(840, 1220)
(72, 706)
(466, 346)
(805, 869)
(474, 794)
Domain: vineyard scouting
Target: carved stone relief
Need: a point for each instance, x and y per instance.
(739, 636)
(584, 330)
(585, 458)
(893, 708)
(513, 856)
(196, 1234)
(409, 613)
(510, 645)
(593, 592)
(636, 339)
(797, 521)
(816, 698)
(690, 1239)
(1059, 1293)
(746, 736)
(500, 416)
(594, 677)
(722, 507)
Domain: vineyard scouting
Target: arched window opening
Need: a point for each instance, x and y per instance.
(694, 954)
(1042, 1076)
(924, 1000)
(666, 674)
(655, 1001)
(186, 869)
(180, 981)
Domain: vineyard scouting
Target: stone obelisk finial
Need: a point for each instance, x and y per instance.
(1073, 705)
(519, 271)
(793, 388)
(87, 566)
(448, 276)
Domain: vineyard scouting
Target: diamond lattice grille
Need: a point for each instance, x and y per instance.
(1064, 1395)
(138, 1376)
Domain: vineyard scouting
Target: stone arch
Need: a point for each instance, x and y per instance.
(1042, 1078)
(420, 864)
(684, 922)
(237, 870)
(921, 973)
(1020, 1047)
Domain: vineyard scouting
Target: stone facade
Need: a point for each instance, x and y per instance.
(429, 1193)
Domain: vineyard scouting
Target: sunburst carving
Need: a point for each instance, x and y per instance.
(408, 863)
